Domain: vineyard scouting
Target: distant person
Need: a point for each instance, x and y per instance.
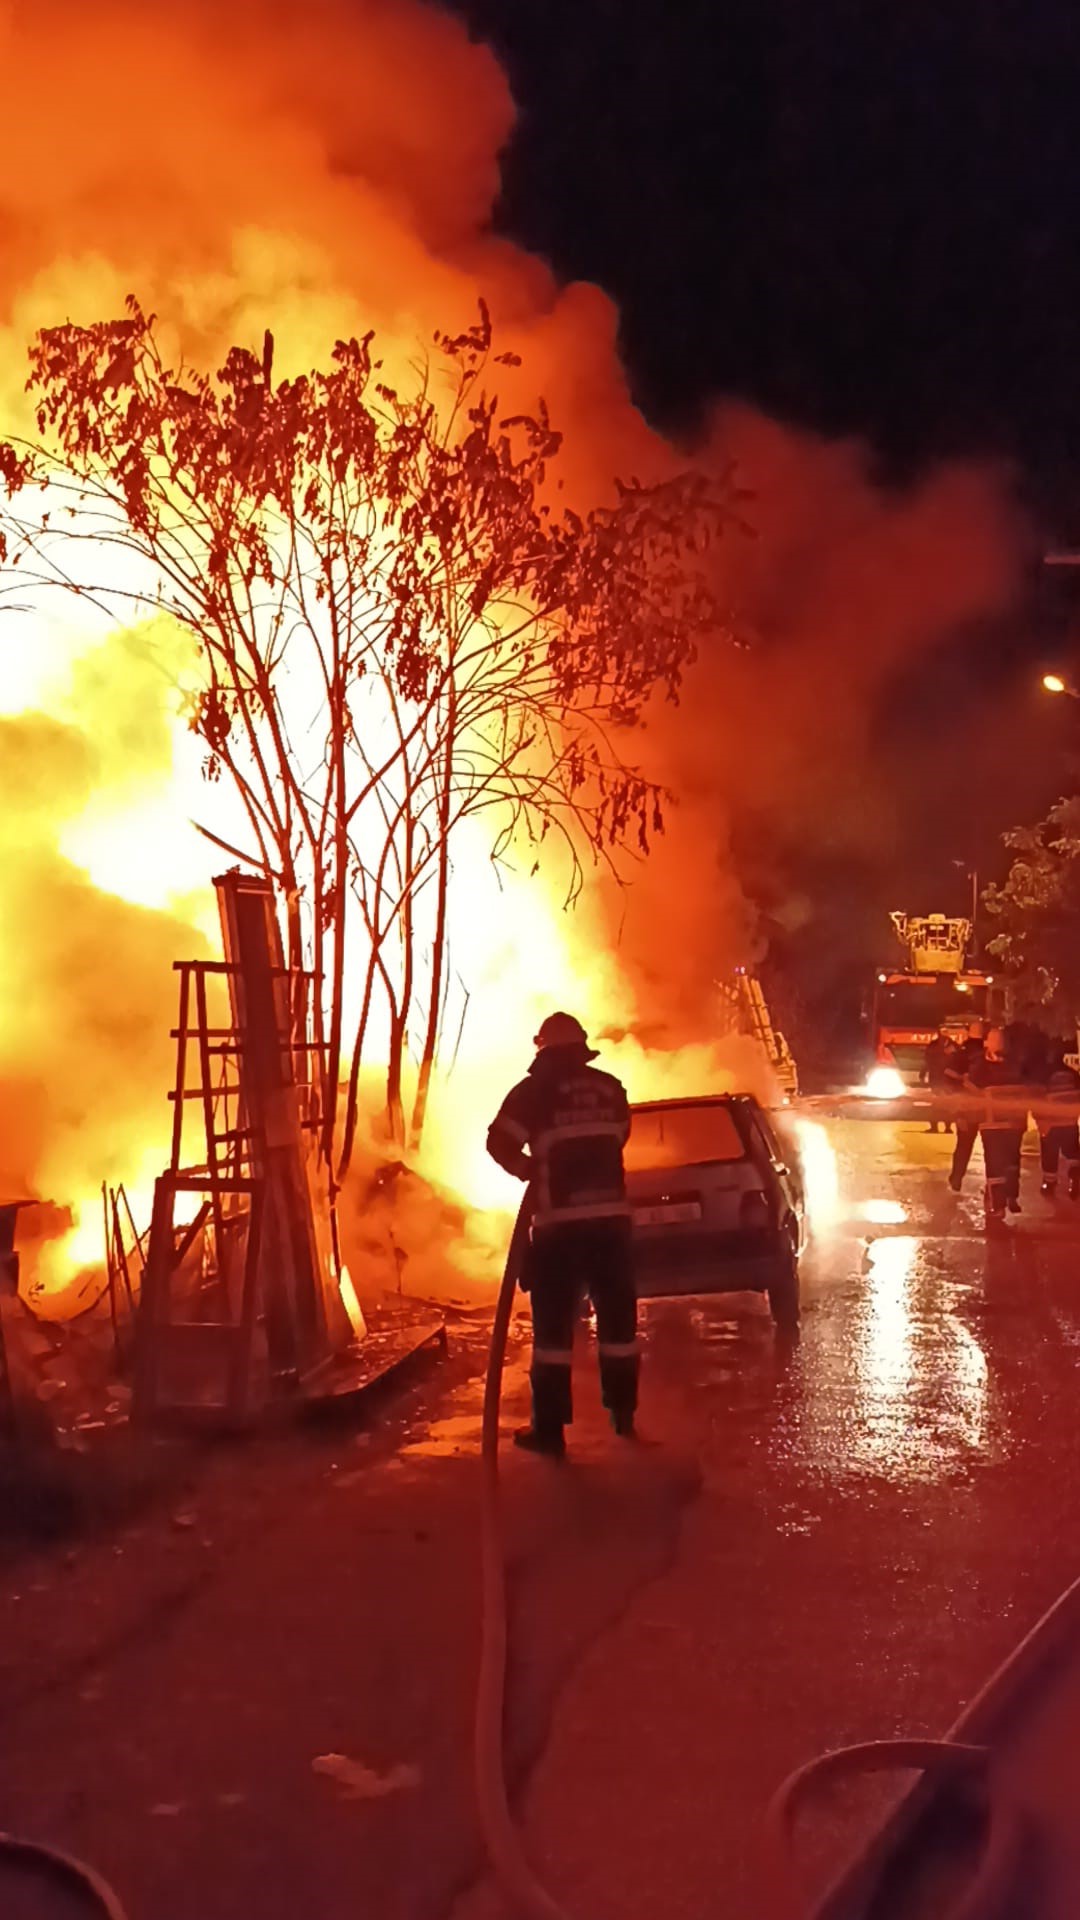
(965, 1107)
(563, 1129)
(934, 1077)
(1003, 1096)
(1059, 1134)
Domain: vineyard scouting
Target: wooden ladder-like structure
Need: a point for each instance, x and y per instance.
(212, 1251)
(243, 1273)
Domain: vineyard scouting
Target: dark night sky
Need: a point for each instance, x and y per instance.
(863, 217)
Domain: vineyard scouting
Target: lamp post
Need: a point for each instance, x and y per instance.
(972, 874)
(1061, 557)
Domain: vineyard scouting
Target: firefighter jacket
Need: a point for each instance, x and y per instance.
(1060, 1103)
(958, 1063)
(574, 1120)
(1003, 1097)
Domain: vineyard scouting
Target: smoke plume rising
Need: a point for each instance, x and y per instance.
(844, 584)
(324, 169)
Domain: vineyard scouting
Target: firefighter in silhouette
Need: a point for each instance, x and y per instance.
(563, 1129)
(1004, 1098)
(965, 1110)
(1059, 1137)
(934, 1076)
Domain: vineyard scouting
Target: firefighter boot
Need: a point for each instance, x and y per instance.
(550, 1441)
(1074, 1183)
(994, 1203)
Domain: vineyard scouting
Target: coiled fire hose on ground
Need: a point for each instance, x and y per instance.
(62, 1871)
(982, 1897)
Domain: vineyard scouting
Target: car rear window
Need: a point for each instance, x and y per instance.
(681, 1136)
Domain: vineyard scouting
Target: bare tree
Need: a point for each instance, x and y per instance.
(398, 631)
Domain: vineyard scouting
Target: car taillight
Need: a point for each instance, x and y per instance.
(754, 1210)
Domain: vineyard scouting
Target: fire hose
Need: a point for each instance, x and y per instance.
(62, 1870)
(526, 1895)
(506, 1854)
(949, 1758)
(501, 1838)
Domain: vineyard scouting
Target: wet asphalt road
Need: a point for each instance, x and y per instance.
(883, 1512)
(830, 1541)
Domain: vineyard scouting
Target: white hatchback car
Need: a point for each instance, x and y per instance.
(718, 1201)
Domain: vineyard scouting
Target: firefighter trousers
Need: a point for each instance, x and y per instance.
(966, 1135)
(564, 1264)
(1001, 1158)
(1060, 1144)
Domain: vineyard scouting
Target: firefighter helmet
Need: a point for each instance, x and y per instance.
(562, 1030)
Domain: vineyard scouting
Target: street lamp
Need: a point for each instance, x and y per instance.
(1053, 683)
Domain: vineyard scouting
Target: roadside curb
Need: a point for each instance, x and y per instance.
(982, 1723)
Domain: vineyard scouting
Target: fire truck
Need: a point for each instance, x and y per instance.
(933, 992)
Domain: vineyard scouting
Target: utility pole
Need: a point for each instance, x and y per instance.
(972, 874)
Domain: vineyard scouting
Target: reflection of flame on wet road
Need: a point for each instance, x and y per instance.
(883, 1213)
(963, 1403)
(819, 1172)
(922, 1375)
(889, 1329)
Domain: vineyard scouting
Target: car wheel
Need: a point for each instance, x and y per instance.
(784, 1297)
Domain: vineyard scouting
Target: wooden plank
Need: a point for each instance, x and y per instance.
(181, 1068)
(240, 1381)
(154, 1301)
(213, 1171)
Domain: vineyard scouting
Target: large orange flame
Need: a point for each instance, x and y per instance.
(324, 169)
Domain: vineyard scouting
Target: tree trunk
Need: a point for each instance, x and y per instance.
(395, 1101)
(431, 1035)
(306, 1058)
(438, 945)
(352, 1098)
(395, 1105)
(340, 895)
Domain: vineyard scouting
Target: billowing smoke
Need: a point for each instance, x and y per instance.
(322, 169)
(844, 584)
